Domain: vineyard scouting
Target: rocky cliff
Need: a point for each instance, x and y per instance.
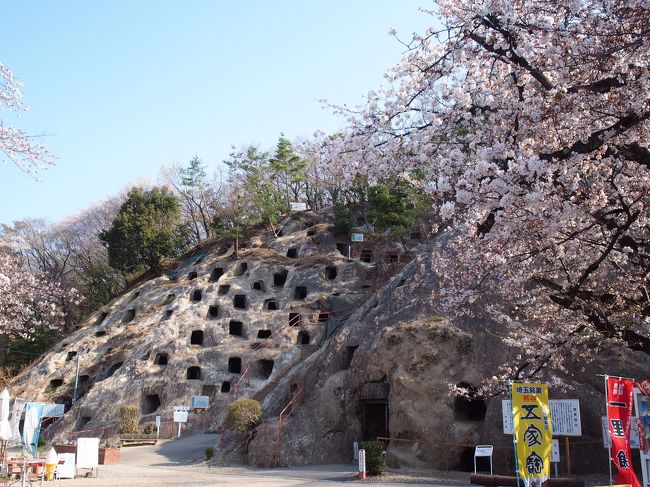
(337, 350)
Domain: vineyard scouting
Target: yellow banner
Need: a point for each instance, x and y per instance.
(533, 431)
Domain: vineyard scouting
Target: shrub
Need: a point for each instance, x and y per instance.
(129, 419)
(244, 415)
(149, 428)
(209, 453)
(375, 458)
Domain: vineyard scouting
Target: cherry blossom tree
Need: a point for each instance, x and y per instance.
(530, 119)
(29, 301)
(18, 146)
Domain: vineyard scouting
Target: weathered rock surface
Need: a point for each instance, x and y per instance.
(396, 356)
(338, 351)
(219, 325)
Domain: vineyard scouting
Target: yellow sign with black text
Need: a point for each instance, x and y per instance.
(533, 432)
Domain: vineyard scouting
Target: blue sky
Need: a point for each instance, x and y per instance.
(122, 88)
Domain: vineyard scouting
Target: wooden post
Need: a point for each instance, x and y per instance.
(568, 455)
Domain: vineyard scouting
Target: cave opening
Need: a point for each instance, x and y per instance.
(216, 274)
(213, 311)
(194, 373)
(150, 403)
(236, 328)
(239, 301)
(196, 338)
(280, 278)
(161, 359)
(300, 292)
(234, 365)
(264, 369)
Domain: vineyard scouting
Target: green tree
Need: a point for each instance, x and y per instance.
(258, 199)
(289, 169)
(396, 205)
(144, 231)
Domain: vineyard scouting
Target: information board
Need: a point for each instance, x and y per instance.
(357, 237)
(634, 433)
(180, 414)
(200, 402)
(294, 206)
(87, 452)
(565, 415)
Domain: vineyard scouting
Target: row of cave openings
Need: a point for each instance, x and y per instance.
(239, 300)
(236, 328)
(279, 278)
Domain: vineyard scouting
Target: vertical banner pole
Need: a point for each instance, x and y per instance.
(568, 455)
(514, 435)
(609, 440)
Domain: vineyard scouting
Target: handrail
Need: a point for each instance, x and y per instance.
(296, 396)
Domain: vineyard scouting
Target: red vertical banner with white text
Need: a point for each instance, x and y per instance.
(620, 402)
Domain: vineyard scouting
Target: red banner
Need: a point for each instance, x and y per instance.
(620, 403)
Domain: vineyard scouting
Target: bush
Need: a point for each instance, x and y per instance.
(149, 428)
(244, 415)
(209, 453)
(129, 419)
(375, 458)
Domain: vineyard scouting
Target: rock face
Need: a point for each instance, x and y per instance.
(219, 325)
(386, 373)
(337, 351)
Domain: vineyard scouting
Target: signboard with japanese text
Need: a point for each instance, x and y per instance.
(180, 414)
(200, 402)
(619, 422)
(565, 416)
(295, 206)
(533, 432)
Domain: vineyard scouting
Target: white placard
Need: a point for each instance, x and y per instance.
(555, 451)
(294, 206)
(483, 451)
(180, 414)
(357, 237)
(634, 433)
(157, 421)
(355, 447)
(565, 416)
(87, 452)
(67, 469)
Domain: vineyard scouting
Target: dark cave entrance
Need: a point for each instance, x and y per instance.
(375, 420)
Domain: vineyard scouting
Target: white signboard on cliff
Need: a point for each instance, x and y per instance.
(180, 414)
(565, 415)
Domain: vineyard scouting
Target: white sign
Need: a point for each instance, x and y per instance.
(483, 451)
(294, 206)
(555, 451)
(355, 447)
(87, 452)
(565, 415)
(357, 237)
(157, 421)
(634, 433)
(67, 469)
(180, 414)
